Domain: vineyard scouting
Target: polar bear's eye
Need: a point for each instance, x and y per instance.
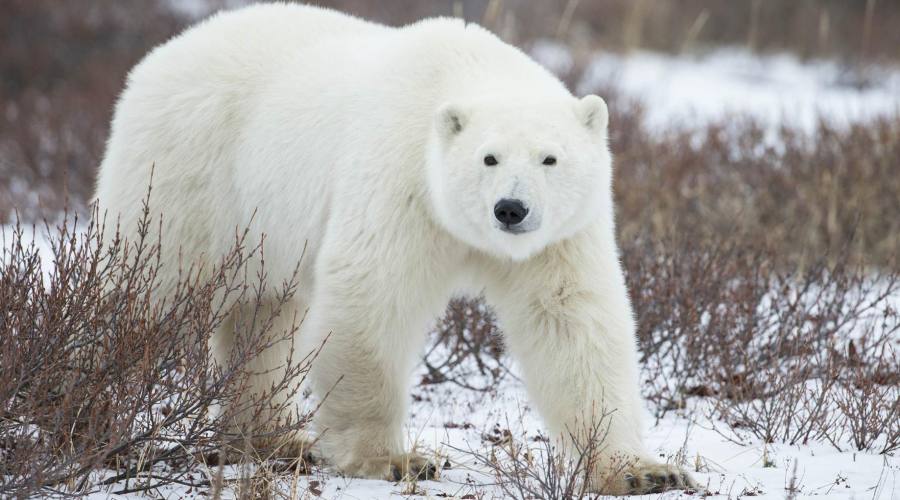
(490, 160)
(549, 160)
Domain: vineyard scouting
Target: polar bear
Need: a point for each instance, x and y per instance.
(410, 163)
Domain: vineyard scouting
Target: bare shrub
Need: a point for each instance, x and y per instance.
(466, 350)
(868, 397)
(541, 468)
(725, 321)
(103, 384)
(63, 64)
(805, 195)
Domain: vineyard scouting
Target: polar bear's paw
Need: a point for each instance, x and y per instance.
(403, 466)
(646, 478)
(295, 447)
(412, 466)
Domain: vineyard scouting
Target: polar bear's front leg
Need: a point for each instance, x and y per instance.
(363, 373)
(374, 309)
(567, 318)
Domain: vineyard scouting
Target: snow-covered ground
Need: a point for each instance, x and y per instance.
(451, 418)
(445, 419)
(691, 90)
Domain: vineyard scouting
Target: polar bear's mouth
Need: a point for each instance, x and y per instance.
(529, 225)
(515, 229)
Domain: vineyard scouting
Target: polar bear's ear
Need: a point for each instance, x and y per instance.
(593, 113)
(450, 120)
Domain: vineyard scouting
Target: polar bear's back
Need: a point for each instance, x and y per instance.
(185, 91)
(182, 109)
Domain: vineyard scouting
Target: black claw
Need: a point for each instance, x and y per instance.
(658, 482)
(632, 482)
(428, 471)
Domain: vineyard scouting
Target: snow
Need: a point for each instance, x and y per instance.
(725, 468)
(446, 418)
(694, 89)
(192, 9)
(39, 235)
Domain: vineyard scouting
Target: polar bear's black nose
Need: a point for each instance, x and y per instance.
(510, 212)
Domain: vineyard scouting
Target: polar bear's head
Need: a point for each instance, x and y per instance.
(511, 176)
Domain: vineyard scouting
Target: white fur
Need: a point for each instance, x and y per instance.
(366, 143)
